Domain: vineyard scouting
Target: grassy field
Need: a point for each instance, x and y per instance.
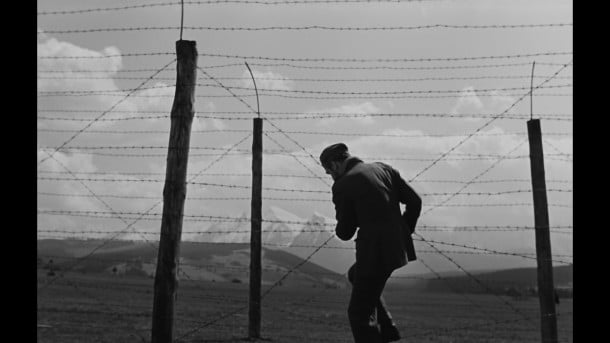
(107, 308)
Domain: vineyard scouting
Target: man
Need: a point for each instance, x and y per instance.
(368, 196)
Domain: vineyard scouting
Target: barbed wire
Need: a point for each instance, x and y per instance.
(487, 123)
(297, 199)
(477, 250)
(189, 183)
(423, 227)
(320, 59)
(487, 251)
(136, 219)
(263, 90)
(104, 113)
(112, 211)
(325, 133)
(516, 310)
(274, 113)
(454, 289)
(266, 292)
(218, 267)
(356, 60)
(308, 28)
(293, 199)
(502, 158)
(525, 204)
(313, 67)
(227, 89)
(286, 152)
(114, 173)
(238, 153)
(211, 2)
(319, 97)
(549, 117)
(276, 127)
(355, 80)
(561, 153)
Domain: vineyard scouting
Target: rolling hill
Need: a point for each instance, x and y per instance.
(220, 262)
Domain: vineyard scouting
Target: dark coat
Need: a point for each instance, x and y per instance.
(368, 196)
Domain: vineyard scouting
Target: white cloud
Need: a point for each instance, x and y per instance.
(468, 102)
(154, 98)
(71, 75)
(500, 102)
(361, 110)
(266, 80)
(62, 161)
(51, 47)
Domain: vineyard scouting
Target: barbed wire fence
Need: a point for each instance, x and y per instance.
(132, 185)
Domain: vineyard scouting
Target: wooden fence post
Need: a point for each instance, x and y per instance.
(254, 314)
(546, 290)
(174, 193)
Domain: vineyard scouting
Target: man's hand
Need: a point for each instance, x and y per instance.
(409, 222)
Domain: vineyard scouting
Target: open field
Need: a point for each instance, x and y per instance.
(106, 308)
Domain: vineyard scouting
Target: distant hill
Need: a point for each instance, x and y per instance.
(220, 262)
(521, 281)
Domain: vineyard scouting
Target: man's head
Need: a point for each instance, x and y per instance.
(332, 159)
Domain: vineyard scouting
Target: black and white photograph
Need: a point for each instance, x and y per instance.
(304, 171)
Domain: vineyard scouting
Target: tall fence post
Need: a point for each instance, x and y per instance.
(254, 314)
(174, 193)
(546, 291)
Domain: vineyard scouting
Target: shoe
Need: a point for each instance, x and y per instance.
(389, 334)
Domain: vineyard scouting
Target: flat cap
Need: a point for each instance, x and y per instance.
(332, 152)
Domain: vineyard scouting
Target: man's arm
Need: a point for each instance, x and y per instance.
(345, 215)
(408, 196)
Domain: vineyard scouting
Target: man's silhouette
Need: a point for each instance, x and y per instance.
(367, 197)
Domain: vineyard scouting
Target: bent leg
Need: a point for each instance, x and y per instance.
(365, 297)
(384, 318)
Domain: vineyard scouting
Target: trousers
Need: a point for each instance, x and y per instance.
(367, 311)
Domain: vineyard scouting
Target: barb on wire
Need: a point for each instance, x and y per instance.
(304, 28)
(321, 133)
(550, 117)
(288, 65)
(428, 91)
(212, 2)
(357, 60)
(89, 57)
(323, 59)
(316, 97)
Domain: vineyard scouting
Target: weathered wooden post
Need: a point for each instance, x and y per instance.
(256, 218)
(546, 290)
(174, 193)
(254, 324)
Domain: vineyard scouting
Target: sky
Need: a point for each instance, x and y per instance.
(444, 78)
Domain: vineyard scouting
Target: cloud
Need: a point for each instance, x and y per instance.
(266, 80)
(500, 102)
(468, 102)
(68, 74)
(51, 47)
(361, 109)
(60, 161)
(154, 98)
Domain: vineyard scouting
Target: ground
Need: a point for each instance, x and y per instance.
(110, 308)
